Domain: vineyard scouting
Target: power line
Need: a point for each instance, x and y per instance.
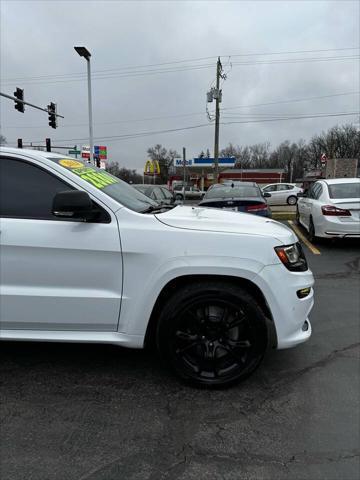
(141, 73)
(192, 127)
(188, 61)
(183, 69)
(291, 101)
(200, 113)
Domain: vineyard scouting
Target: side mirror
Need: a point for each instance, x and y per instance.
(72, 204)
(301, 195)
(267, 194)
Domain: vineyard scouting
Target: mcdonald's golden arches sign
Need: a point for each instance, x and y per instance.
(152, 167)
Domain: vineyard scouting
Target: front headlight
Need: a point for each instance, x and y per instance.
(293, 257)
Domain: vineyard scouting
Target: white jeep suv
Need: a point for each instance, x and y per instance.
(87, 258)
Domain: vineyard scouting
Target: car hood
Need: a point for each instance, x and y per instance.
(218, 220)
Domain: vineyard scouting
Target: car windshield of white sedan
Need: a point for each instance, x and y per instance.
(344, 190)
(117, 189)
(232, 192)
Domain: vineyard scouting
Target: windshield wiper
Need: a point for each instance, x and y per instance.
(157, 208)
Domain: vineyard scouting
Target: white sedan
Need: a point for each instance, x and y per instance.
(331, 208)
(282, 193)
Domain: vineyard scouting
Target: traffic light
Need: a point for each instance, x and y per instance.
(19, 93)
(48, 144)
(52, 115)
(20, 144)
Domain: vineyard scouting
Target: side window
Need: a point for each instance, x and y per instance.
(313, 190)
(282, 187)
(290, 187)
(156, 194)
(270, 188)
(160, 193)
(166, 193)
(318, 191)
(27, 191)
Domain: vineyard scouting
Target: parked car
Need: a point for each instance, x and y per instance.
(159, 193)
(282, 193)
(331, 208)
(244, 197)
(85, 257)
(189, 192)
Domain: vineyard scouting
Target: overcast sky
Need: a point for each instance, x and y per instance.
(154, 59)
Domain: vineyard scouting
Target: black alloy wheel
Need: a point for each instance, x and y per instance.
(212, 334)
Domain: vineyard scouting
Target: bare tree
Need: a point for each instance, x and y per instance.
(126, 174)
(241, 154)
(164, 157)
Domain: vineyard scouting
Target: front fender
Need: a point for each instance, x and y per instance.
(140, 295)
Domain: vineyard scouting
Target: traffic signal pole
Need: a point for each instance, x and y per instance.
(17, 100)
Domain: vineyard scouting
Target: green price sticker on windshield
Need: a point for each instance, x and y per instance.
(97, 179)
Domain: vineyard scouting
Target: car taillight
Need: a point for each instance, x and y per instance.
(330, 210)
(256, 208)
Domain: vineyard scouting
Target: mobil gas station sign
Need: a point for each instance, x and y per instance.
(205, 162)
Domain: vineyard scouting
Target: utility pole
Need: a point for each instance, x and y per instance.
(217, 119)
(184, 164)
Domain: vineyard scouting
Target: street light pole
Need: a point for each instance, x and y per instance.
(91, 135)
(84, 52)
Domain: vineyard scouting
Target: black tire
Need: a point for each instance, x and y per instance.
(178, 196)
(311, 232)
(212, 334)
(292, 200)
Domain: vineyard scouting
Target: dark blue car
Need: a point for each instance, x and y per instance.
(244, 197)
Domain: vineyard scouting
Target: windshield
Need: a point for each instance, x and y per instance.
(344, 190)
(231, 192)
(117, 189)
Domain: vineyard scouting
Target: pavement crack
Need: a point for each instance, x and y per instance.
(324, 361)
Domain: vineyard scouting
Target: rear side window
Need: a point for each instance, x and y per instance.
(270, 188)
(27, 191)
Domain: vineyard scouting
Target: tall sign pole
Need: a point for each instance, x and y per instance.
(217, 119)
(184, 164)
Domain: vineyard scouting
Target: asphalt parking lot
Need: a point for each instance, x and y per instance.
(105, 413)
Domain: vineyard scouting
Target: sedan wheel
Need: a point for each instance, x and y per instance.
(212, 334)
(311, 234)
(292, 200)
